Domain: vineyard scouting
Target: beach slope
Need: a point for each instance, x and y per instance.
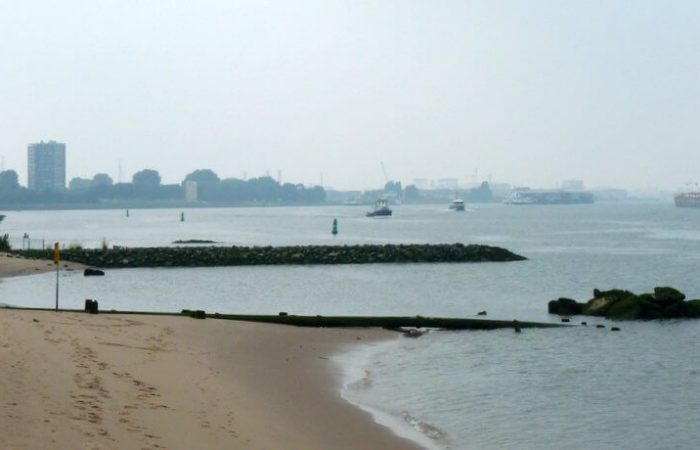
(13, 265)
(73, 380)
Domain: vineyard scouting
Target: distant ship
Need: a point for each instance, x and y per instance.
(527, 196)
(457, 205)
(687, 199)
(381, 208)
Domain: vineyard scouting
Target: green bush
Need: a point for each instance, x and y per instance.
(5, 243)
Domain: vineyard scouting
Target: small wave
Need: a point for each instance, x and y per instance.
(431, 431)
(357, 386)
(363, 383)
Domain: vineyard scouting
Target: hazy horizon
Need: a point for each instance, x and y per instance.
(529, 93)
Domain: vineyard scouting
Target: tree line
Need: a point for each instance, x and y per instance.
(147, 185)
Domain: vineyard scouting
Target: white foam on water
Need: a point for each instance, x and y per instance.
(357, 377)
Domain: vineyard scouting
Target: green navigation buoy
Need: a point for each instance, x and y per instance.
(334, 231)
(182, 217)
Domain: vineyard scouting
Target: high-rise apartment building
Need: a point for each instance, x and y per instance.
(46, 166)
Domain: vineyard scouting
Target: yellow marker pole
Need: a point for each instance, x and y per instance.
(57, 261)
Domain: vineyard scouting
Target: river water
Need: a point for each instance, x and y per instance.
(583, 387)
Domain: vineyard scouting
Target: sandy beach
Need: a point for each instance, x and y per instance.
(11, 266)
(73, 380)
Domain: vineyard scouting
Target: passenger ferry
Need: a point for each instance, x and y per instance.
(457, 205)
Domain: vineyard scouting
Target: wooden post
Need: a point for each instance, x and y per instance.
(57, 269)
(57, 261)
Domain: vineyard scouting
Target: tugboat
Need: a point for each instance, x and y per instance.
(457, 205)
(381, 209)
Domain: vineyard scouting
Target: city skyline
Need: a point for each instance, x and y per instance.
(530, 93)
(421, 183)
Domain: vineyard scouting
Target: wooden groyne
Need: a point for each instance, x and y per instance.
(388, 322)
(307, 254)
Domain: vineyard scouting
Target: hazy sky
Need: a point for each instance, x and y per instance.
(530, 92)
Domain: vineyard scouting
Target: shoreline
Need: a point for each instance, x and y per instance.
(353, 363)
(332, 409)
(15, 266)
(124, 381)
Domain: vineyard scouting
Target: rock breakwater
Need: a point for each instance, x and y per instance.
(309, 254)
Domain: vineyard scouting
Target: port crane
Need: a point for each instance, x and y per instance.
(386, 176)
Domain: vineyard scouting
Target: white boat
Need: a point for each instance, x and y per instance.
(381, 208)
(457, 205)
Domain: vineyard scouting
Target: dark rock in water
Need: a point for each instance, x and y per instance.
(481, 313)
(614, 329)
(664, 303)
(668, 296)
(599, 306)
(89, 272)
(564, 307)
(626, 307)
(673, 310)
(584, 323)
(692, 308)
(649, 309)
(566, 320)
(600, 326)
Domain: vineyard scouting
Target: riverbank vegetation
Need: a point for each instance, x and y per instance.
(147, 186)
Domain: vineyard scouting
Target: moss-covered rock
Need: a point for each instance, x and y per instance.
(692, 308)
(664, 303)
(600, 305)
(667, 296)
(564, 307)
(627, 307)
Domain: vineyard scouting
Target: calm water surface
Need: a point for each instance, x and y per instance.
(576, 388)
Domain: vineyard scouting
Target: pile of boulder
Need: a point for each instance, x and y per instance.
(302, 254)
(663, 303)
